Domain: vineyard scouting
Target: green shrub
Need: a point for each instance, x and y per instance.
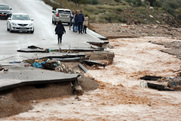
(93, 2)
(157, 4)
(135, 2)
(117, 0)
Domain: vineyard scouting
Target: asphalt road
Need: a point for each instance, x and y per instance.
(44, 35)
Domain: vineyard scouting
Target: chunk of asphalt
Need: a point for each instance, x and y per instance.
(158, 87)
(83, 67)
(21, 76)
(151, 78)
(91, 63)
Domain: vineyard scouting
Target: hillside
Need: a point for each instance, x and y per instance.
(125, 11)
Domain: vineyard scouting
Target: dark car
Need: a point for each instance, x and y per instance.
(5, 11)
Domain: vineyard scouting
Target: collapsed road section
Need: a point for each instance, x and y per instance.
(23, 81)
(17, 76)
(47, 73)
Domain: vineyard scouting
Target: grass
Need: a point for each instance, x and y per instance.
(109, 11)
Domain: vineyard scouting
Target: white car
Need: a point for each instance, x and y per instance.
(61, 14)
(20, 22)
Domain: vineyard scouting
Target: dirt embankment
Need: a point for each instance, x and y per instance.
(117, 30)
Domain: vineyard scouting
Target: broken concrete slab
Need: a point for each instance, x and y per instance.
(68, 59)
(34, 47)
(99, 44)
(151, 78)
(54, 55)
(96, 35)
(159, 87)
(92, 48)
(91, 63)
(19, 76)
(83, 67)
(77, 47)
(36, 50)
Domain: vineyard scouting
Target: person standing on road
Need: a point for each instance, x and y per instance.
(80, 20)
(86, 22)
(59, 30)
(75, 25)
(71, 19)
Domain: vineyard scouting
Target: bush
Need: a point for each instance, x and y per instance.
(135, 2)
(93, 2)
(169, 7)
(157, 4)
(117, 0)
(79, 1)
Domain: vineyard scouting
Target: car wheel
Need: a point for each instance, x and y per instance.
(7, 27)
(10, 29)
(53, 22)
(32, 32)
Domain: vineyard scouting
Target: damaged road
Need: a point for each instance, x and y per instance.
(17, 76)
(118, 94)
(51, 71)
(110, 93)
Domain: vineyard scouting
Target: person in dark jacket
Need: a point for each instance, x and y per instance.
(80, 20)
(75, 26)
(60, 30)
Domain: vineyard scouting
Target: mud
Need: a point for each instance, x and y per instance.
(19, 99)
(10, 106)
(29, 93)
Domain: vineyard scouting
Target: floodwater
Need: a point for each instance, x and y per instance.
(119, 96)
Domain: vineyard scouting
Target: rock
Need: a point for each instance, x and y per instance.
(87, 83)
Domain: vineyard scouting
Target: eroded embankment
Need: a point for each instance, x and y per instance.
(20, 98)
(119, 95)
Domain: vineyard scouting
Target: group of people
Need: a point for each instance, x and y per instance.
(77, 20)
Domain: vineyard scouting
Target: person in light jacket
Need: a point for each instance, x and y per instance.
(71, 19)
(85, 24)
(59, 30)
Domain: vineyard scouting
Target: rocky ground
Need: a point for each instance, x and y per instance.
(119, 96)
(131, 31)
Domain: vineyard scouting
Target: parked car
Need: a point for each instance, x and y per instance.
(20, 22)
(5, 11)
(61, 14)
